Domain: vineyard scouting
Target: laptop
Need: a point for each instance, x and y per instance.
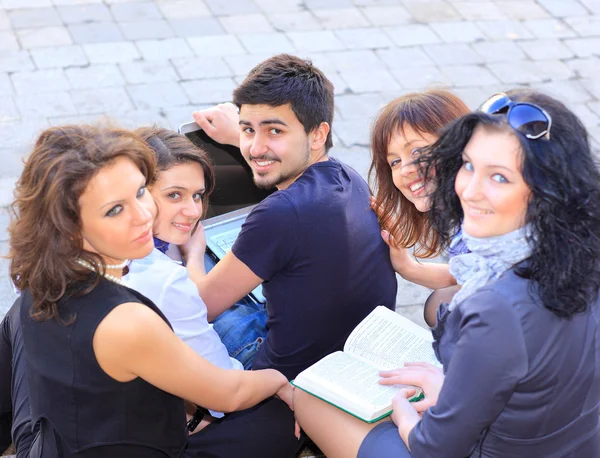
(233, 198)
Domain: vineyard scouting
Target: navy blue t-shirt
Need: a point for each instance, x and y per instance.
(318, 247)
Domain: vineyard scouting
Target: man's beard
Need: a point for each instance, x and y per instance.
(275, 181)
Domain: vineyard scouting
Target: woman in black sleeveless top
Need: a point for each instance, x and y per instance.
(106, 373)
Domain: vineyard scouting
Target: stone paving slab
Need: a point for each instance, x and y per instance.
(154, 61)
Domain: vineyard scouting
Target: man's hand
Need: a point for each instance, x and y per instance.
(424, 375)
(221, 123)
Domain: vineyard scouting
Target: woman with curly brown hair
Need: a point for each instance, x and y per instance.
(106, 373)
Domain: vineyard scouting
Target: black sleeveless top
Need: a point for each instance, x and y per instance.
(92, 414)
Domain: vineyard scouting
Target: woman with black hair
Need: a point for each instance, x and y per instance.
(520, 342)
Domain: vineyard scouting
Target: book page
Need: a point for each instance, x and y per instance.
(388, 340)
(351, 379)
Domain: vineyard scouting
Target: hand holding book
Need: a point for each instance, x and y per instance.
(427, 376)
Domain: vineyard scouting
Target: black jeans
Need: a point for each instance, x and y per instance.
(15, 414)
(263, 431)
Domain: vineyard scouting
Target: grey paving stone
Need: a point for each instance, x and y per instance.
(412, 34)
(365, 38)
(504, 30)
(525, 9)
(472, 96)
(359, 60)
(469, 75)
(34, 17)
(75, 14)
(563, 8)
(326, 4)
(59, 57)
(246, 23)
(202, 68)
(154, 71)
(18, 136)
(595, 107)
(107, 100)
(164, 49)
(585, 26)
(294, 22)
(8, 113)
(15, 61)
(584, 47)
(549, 28)
(341, 18)
(182, 9)
(232, 7)
(452, 54)
(108, 53)
(50, 80)
(44, 37)
(196, 26)
(216, 45)
(592, 5)
(431, 11)
(585, 68)
(6, 87)
(357, 157)
(135, 11)
(242, 64)
(146, 30)
(387, 15)
(138, 118)
(95, 32)
(8, 42)
(210, 90)
(478, 10)
(273, 43)
(370, 81)
(157, 95)
(404, 57)
(180, 115)
(530, 72)
(4, 21)
(359, 106)
(76, 2)
(421, 78)
(458, 32)
(270, 7)
(592, 85)
(354, 132)
(498, 51)
(546, 49)
(94, 76)
(45, 104)
(324, 40)
(16, 4)
(585, 114)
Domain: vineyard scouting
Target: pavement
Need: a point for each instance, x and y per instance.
(145, 62)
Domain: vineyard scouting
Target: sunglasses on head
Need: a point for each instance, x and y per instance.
(526, 118)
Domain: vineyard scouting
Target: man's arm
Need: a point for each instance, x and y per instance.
(221, 123)
(225, 284)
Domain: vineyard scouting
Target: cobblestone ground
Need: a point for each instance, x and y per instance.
(143, 62)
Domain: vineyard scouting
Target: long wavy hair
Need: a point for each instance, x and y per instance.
(425, 112)
(172, 148)
(45, 227)
(563, 210)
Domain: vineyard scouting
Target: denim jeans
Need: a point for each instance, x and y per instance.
(242, 327)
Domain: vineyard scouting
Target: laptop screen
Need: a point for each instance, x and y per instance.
(234, 185)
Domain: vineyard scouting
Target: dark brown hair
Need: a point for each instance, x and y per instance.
(426, 112)
(172, 148)
(45, 229)
(284, 79)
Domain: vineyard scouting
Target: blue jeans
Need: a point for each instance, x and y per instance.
(242, 327)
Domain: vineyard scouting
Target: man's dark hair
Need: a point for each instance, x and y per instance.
(284, 79)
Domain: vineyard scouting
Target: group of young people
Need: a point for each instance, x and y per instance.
(122, 344)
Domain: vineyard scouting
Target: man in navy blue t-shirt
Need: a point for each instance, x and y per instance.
(315, 243)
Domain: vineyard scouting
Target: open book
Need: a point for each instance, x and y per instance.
(349, 379)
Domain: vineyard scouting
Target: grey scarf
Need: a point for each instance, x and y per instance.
(489, 258)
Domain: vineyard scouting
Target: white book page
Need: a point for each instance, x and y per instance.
(388, 340)
(348, 382)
